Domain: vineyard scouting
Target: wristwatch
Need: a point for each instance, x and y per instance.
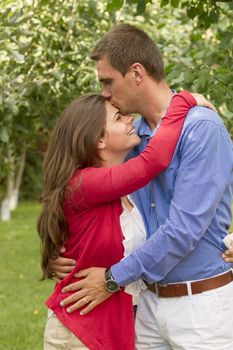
(110, 283)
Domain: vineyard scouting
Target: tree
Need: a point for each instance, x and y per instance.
(44, 61)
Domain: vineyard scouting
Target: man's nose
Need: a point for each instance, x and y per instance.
(106, 93)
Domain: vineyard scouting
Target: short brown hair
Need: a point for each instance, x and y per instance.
(124, 45)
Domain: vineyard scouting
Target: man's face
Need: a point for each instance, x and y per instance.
(118, 89)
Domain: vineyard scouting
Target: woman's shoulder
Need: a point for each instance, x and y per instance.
(79, 174)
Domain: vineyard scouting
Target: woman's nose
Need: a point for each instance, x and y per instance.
(130, 119)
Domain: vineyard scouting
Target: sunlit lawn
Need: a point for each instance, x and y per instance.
(22, 312)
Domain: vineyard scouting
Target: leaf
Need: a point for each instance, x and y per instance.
(114, 5)
(203, 79)
(4, 137)
(229, 104)
(175, 3)
(164, 3)
(214, 16)
(141, 6)
(192, 12)
(189, 76)
(16, 16)
(18, 57)
(132, 2)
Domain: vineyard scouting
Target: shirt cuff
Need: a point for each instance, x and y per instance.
(120, 275)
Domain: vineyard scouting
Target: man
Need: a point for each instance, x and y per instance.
(186, 211)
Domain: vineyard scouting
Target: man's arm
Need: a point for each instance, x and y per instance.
(205, 169)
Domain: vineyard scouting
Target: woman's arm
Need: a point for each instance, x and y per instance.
(101, 185)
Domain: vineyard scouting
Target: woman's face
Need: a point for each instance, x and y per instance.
(120, 134)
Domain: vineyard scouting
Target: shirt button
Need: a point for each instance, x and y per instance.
(152, 205)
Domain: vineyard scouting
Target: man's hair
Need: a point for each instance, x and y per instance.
(124, 45)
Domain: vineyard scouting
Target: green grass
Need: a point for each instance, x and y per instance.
(22, 295)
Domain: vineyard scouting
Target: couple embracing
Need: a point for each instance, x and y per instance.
(152, 226)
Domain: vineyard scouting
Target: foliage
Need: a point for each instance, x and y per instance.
(45, 47)
(32, 181)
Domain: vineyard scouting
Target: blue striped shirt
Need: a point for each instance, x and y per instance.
(187, 209)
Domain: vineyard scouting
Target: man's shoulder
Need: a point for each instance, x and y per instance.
(205, 122)
(201, 114)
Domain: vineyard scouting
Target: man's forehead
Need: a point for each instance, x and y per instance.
(101, 72)
(105, 70)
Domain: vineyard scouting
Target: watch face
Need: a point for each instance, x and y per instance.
(111, 286)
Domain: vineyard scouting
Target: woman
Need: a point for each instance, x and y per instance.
(84, 179)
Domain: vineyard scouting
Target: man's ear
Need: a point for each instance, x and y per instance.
(101, 143)
(137, 70)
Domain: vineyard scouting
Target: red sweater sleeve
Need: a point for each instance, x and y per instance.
(101, 185)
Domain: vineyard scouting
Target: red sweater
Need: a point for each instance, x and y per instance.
(95, 236)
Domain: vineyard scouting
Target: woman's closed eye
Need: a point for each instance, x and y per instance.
(117, 116)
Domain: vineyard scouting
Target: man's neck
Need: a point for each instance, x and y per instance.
(155, 102)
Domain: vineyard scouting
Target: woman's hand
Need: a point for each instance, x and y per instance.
(202, 101)
(62, 266)
(228, 254)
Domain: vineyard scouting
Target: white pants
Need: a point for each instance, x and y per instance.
(198, 322)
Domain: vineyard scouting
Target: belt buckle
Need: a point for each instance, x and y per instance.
(156, 289)
(157, 285)
(189, 288)
(188, 285)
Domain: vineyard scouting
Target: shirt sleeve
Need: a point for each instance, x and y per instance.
(205, 170)
(101, 185)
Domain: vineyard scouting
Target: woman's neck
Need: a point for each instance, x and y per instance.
(109, 160)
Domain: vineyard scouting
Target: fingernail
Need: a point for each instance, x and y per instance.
(62, 303)
(69, 311)
(74, 262)
(81, 313)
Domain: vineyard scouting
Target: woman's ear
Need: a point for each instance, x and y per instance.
(101, 143)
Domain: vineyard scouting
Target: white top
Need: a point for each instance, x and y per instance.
(134, 236)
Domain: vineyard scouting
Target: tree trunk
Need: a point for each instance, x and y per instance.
(5, 207)
(15, 193)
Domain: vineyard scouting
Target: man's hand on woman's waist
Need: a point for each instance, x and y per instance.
(91, 290)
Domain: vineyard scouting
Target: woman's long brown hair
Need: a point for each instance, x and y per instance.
(73, 146)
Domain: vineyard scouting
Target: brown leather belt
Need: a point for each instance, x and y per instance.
(189, 288)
